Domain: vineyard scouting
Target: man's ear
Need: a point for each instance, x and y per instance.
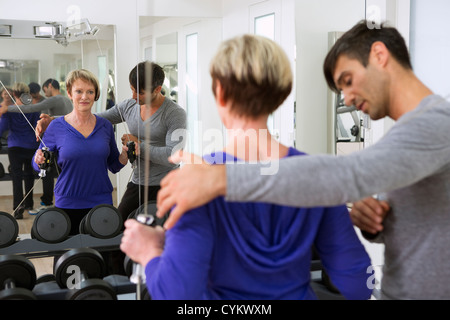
(379, 53)
(158, 89)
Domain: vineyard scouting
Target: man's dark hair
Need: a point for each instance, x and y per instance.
(144, 72)
(357, 44)
(53, 82)
(34, 87)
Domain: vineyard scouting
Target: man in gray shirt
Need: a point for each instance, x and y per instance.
(167, 123)
(411, 164)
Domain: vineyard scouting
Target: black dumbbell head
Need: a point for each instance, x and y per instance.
(93, 289)
(104, 222)
(51, 225)
(17, 278)
(9, 229)
(86, 260)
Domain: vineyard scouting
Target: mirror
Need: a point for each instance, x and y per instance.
(167, 57)
(25, 58)
(174, 42)
(12, 71)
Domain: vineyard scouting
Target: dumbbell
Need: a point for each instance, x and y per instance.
(45, 278)
(149, 209)
(82, 270)
(17, 278)
(145, 214)
(103, 221)
(129, 266)
(131, 152)
(51, 225)
(9, 229)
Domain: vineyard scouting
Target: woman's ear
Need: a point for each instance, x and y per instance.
(220, 100)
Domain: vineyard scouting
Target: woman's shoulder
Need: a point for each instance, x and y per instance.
(102, 121)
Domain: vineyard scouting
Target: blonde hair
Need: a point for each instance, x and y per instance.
(19, 88)
(255, 74)
(85, 75)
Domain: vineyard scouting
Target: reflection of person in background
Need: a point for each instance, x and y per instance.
(249, 250)
(21, 147)
(5, 96)
(56, 105)
(164, 118)
(35, 92)
(85, 148)
(147, 108)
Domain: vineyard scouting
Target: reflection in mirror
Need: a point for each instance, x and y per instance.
(167, 57)
(265, 26)
(12, 71)
(25, 58)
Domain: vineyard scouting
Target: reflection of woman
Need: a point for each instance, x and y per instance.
(6, 100)
(85, 148)
(21, 148)
(232, 251)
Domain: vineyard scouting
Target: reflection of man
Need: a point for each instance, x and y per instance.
(35, 92)
(163, 116)
(56, 105)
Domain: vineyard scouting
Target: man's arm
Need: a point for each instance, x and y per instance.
(44, 105)
(115, 115)
(175, 140)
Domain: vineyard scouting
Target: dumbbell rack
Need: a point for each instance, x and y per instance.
(32, 248)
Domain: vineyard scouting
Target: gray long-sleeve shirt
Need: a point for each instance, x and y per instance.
(167, 134)
(411, 164)
(58, 105)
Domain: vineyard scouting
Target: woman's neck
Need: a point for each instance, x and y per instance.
(250, 140)
(81, 118)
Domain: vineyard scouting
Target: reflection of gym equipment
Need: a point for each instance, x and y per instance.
(50, 232)
(51, 225)
(9, 229)
(345, 123)
(89, 280)
(103, 221)
(348, 122)
(17, 278)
